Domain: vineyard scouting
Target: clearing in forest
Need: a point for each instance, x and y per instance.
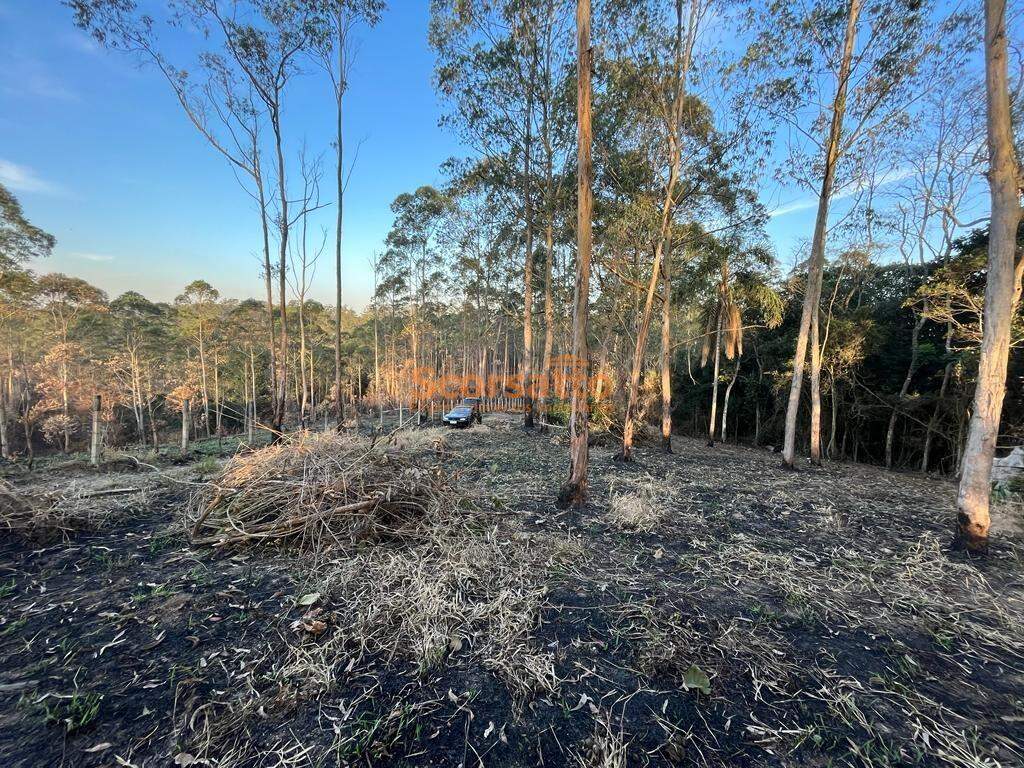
(707, 608)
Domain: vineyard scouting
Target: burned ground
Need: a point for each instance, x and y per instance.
(707, 608)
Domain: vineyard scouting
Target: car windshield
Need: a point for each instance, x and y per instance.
(461, 410)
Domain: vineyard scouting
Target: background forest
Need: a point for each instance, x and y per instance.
(699, 107)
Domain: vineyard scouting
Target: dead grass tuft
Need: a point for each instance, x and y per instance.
(606, 748)
(638, 504)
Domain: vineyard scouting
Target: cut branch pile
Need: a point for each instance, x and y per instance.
(317, 491)
(20, 512)
(39, 515)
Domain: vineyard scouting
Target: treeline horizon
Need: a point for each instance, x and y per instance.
(66, 342)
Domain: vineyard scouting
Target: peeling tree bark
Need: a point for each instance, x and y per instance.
(1002, 292)
(574, 492)
(666, 354)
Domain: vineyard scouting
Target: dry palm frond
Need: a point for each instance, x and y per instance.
(732, 325)
(705, 347)
(316, 491)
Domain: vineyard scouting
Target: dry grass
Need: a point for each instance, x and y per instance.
(316, 491)
(35, 513)
(638, 504)
(607, 747)
(421, 440)
(772, 557)
(443, 580)
(452, 592)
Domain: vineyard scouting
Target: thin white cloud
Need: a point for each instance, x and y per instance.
(891, 176)
(26, 77)
(21, 178)
(43, 86)
(81, 42)
(90, 256)
(796, 205)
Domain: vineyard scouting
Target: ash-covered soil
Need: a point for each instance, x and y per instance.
(707, 608)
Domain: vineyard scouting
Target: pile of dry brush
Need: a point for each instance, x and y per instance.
(317, 491)
(41, 515)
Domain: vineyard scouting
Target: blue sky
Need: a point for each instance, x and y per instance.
(100, 154)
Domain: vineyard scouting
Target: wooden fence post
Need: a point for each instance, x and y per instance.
(185, 419)
(94, 454)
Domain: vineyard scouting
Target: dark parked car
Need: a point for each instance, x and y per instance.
(465, 413)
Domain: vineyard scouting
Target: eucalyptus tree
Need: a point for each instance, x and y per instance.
(574, 491)
(938, 200)
(650, 54)
(65, 300)
(489, 72)
(412, 263)
(259, 47)
(1002, 291)
(197, 314)
(20, 242)
(212, 92)
(474, 234)
(836, 73)
(140, 327)
(336, 52)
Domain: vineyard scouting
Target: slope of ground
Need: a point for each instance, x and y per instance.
(706, 609)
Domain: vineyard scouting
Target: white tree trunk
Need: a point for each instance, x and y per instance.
(1002, 290)
(812, 295)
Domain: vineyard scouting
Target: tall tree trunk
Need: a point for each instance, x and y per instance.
(339, 406)
(915, 337)
(268, 278)
(666, 352)
(549, 308)
(812, 294)
(527, 364)
(549, 223)
(683, 56)
(139, 395)
(714, 379)
(5, 450)
(216, 397)
(574, 491)
(152, 416)
(282, 189)
(186, 419)
(202, 372)
(933, 422)
(831, 451)
(757, 399)
(305, 375)
(725, 400)
(1002, 291)
(815, 387)
(65, 398)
